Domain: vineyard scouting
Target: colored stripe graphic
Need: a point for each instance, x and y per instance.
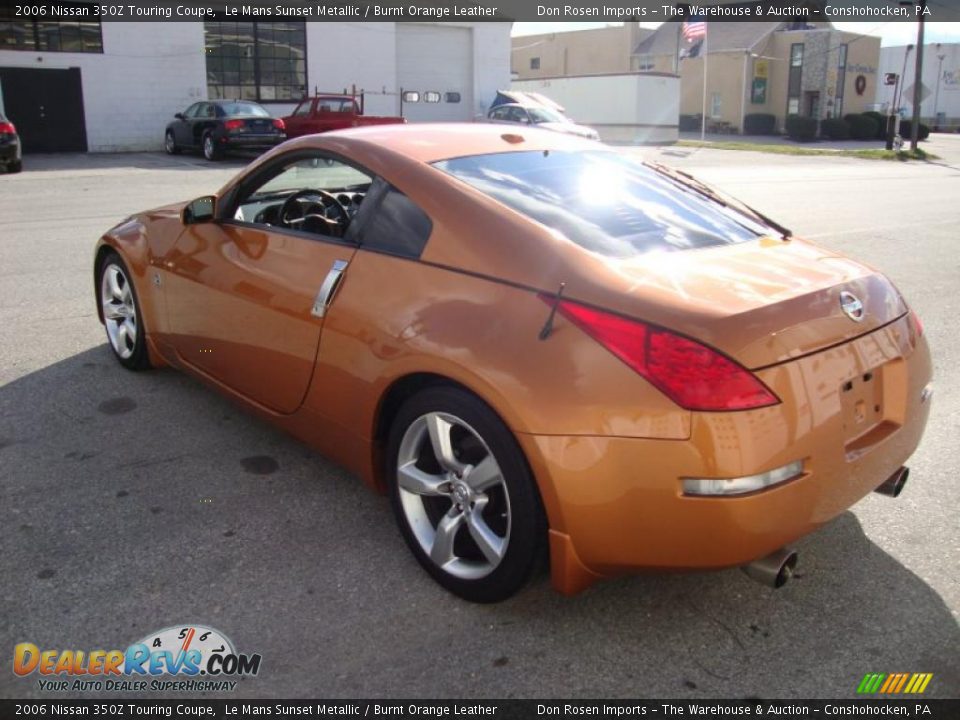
(894, 683)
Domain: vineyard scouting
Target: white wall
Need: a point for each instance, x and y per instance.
(147, 72)
(891, 61)
(341, 55)
(624, 108)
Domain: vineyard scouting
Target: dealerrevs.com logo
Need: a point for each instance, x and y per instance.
(188, 658)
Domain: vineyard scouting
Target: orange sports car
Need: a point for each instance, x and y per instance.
(535, 344)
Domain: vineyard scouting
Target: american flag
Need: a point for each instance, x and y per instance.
(693, 29)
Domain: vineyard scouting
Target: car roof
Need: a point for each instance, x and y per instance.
(431, 142)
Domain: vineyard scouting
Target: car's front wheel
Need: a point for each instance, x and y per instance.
(170, 143)
(463, 495)
(121, 314)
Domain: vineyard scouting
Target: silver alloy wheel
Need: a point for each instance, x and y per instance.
(208, 147)
(170, 144)
(119, 310)
(450, 481)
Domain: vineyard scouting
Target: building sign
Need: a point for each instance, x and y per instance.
(758, 91)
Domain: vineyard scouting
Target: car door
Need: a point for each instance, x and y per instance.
(298, 122)
(205, 117)
(247, 297)
(181, 126)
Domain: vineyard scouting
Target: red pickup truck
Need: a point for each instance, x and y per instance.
(331, 112)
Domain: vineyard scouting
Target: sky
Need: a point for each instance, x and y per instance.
(892, 33)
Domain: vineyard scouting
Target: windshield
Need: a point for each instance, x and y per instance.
(242, 108)
(603, 201)
(545, 115)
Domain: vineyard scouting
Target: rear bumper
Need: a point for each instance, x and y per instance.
(617, 504)
(251, 142)
(9, 152)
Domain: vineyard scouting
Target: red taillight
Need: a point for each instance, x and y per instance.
(693, 375)
(279, 124)
(7, 128)
(234, 124)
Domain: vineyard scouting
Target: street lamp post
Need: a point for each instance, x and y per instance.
(936, 97)
(918, 82)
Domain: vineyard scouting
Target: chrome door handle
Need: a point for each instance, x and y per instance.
(328, 289)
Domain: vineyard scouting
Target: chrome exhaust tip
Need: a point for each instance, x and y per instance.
(894, 484)
(774, 570)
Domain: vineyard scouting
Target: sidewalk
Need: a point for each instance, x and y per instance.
(783, 140)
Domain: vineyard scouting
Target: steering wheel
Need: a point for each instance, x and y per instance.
(298, 214)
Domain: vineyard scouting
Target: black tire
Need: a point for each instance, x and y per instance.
(170, 143)
(209, 148)
(139, 358)
(525, 542)
(15, 166)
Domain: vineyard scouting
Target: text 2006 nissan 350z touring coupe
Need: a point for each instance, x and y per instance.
(533, 343)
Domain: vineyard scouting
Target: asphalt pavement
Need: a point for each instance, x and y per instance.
(133, 502)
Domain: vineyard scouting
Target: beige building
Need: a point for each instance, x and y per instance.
(779, 68)
(579, 52)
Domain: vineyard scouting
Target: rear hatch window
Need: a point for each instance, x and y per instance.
(605, 202)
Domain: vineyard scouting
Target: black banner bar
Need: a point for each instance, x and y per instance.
(837, 11)
(121, 709)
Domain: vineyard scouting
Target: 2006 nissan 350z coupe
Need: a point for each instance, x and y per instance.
(534, 344)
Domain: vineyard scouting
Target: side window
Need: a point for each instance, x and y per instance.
(310, 193)
(499, 114)
(396, 226)
(192, 110)
(303, 108)
(518, 114)
(208, 110)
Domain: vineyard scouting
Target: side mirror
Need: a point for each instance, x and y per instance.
(199, 211)
(179, 116)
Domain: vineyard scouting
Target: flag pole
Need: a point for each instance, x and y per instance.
(703, 107)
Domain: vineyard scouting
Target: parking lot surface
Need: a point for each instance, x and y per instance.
(133, 502)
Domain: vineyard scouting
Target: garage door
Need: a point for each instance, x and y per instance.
(436, 59)
(47, 108)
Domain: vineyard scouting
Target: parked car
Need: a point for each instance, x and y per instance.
(533, 345)
(331, 112)
(217, 126)
(542, 117)
(10, 151)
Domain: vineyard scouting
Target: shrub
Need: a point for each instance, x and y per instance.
(689, 123)
(834, 129)
(801, 128)
(759, 124)
(863, 127)
(881, 123)
(905, 127)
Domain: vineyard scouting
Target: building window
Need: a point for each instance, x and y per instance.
(262, 61)
(452, 97)
(535, 63)
(715, 104)
(794, 81)
(841, 80)
(17, 33)
(643, 63)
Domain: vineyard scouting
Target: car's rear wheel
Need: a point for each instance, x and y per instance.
(15, 166)
(463, 495)
(210, 150)
(170, 144)
(121, 314)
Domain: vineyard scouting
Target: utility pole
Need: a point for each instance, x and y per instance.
(918, 81)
